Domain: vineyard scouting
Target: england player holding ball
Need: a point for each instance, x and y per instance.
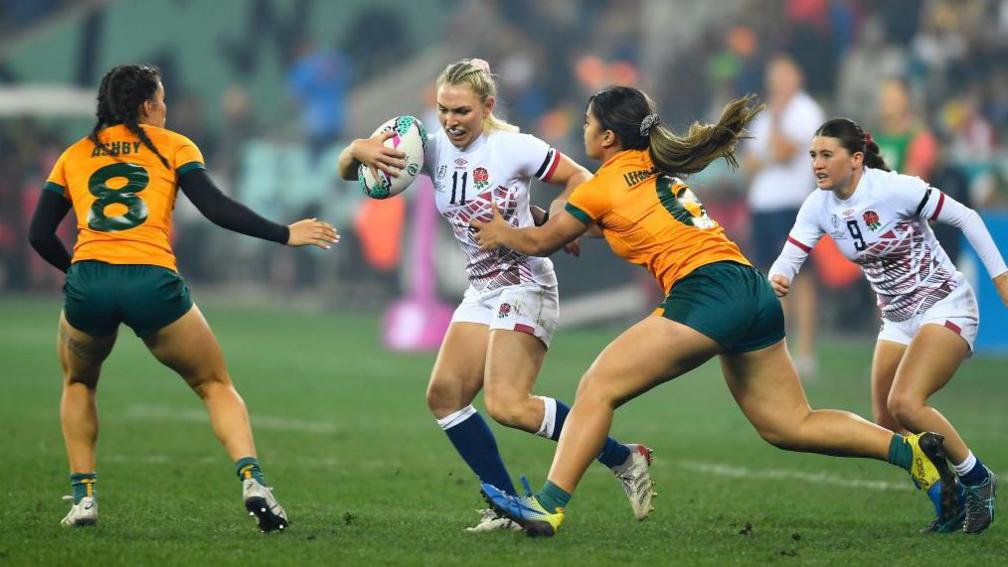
(879, 219)
(500, 332)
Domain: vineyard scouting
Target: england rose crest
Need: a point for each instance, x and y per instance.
(480, 177)
(504, 311)
(871, 219)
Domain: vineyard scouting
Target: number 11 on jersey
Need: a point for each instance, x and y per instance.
(455, 187)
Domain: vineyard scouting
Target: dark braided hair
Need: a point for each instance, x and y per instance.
(854, 139)
(123, 89)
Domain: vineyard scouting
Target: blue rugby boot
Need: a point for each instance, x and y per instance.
(954, 521)
(526, 511)
(980, 504)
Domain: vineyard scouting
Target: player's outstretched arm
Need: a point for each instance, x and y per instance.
(312, 232)
(232, 215)
(949, 211)
(373, 153)
(532, 241)
(570, 174)
(786, 267)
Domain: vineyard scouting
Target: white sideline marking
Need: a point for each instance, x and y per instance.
(783, 474)
(193, 415)
(307, 462)
(158, 459)
(606, 305)
(717, 469)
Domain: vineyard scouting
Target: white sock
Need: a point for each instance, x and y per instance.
(549, 417)
(967, 465)
(455, 418)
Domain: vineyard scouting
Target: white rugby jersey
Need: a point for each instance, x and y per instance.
(496, 167)
(884, 228)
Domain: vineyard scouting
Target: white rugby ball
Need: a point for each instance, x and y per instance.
(410, 138)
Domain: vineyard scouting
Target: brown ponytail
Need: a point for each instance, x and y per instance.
(631, 115)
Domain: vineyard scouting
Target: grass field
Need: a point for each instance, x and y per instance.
(367, 477)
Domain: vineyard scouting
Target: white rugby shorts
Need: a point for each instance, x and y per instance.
(958, 312)
(526, 308)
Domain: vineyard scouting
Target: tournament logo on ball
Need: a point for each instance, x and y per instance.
(402, 125)
(481, 178)
(871, 219)
(504, 311)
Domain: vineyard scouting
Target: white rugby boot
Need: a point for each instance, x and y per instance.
(635, 476)
(83, 513)
(260, 503)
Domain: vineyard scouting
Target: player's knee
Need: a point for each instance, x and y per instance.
(505, 409)
(206, 383)
(441, 398)
(593, 389)
(882, 418)
(904, 407)
(781, 438)
(785, 432)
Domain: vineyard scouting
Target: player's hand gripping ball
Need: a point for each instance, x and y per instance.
(409, 137)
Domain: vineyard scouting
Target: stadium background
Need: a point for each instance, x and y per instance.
(231, 70)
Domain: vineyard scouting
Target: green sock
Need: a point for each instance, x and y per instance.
(82, 484)
(248, 467)
(900, 452)
(552, 497)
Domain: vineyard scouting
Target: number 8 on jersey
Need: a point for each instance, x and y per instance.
(126, 196)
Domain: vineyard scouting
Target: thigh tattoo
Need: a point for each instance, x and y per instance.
(90, 351)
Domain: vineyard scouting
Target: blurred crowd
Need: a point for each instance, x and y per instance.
(947, 56)
(928, 75)
(18, 16)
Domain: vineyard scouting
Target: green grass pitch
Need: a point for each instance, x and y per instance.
(368, 478)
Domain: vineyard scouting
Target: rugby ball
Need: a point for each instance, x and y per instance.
(411, 138)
